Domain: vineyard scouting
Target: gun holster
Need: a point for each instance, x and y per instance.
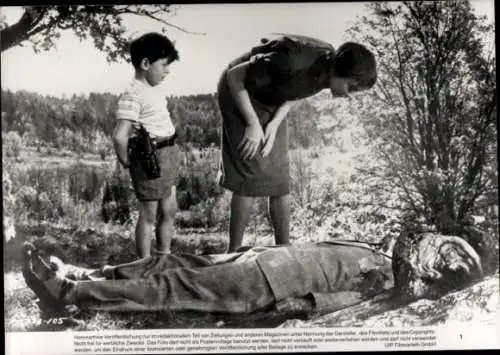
(142, 147)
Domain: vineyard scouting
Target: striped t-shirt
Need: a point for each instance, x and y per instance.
(147, 105)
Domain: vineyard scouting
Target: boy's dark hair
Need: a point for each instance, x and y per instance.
(353, 60)
(152, 46)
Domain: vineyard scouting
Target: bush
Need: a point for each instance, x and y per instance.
(11, 145)
(85, 182)
(197, 180)
(211, 213)
(116, 198)
(302, 177)
(45, 192)
(9, 203)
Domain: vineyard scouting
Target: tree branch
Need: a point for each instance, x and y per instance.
(152, 15)
(44, 20)
(13, 35)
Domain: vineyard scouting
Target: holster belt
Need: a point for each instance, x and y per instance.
(164, 142)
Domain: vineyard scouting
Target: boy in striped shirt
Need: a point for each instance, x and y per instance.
(143, 102)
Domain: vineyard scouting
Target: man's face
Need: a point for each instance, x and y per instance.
(341, 87)
(157, 71)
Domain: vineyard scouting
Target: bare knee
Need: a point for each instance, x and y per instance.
(239, 201)
(147, 211)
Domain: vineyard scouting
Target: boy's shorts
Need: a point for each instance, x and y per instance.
(160, 188)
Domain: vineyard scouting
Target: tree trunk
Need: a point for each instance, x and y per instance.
(18, 32)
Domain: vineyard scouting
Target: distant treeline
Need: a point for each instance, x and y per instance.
(85, 123)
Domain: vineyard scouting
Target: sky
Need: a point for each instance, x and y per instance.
(76, 67)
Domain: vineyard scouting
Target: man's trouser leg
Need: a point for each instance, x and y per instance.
(153, 265)
(227, 288)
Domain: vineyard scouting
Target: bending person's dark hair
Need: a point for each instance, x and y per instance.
(353, 60)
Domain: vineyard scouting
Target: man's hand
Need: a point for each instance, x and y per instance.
(269, 137)
(251, 141)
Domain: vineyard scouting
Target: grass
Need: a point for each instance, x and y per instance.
(95, 243)
(52, 157)
(23, 314)
(94, 247)
(78, 237)
(326, 203)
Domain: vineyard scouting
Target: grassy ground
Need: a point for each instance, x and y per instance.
(90, 247)
(57, 157)
(23, 314)
(94, 244)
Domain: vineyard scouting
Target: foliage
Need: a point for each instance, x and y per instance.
(8, 206)
(432, 115)
(79, 192)
(69, 192)
(117, 196)
(303, 126)
(337, 205)
(85, 123)
(197, 179)
(197, 119)
(13, 143)
(8, 201)
(104, 24)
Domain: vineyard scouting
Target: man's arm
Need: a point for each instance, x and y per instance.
(254, 134)
(120, 141)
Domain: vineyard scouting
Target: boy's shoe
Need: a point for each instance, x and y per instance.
(43, 279)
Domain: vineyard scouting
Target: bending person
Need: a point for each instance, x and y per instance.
(256, 92)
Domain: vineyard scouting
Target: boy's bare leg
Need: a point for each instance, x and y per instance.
(165, 229)
(241, 207)
(279, 210)
(144, 228)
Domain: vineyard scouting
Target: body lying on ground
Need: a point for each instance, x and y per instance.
(324, 276)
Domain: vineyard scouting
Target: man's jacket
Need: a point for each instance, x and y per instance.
(324, 268)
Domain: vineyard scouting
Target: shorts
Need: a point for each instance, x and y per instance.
(160, 188)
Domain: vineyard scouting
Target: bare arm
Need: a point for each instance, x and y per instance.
(254, 133)
(236, 80)
(281, 113)
(272, 127)
(120, 140)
